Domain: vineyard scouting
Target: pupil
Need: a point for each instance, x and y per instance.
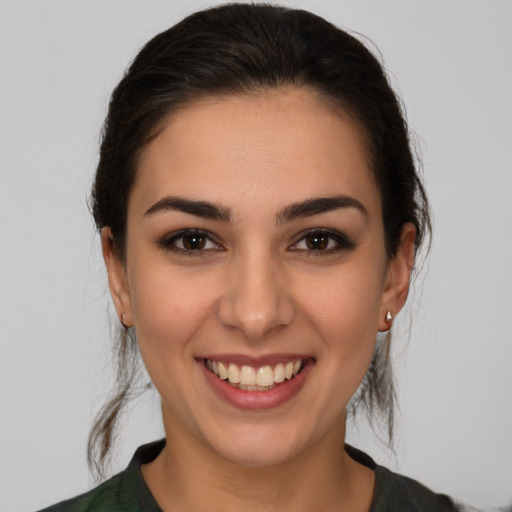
(317, 241)
(194, 242)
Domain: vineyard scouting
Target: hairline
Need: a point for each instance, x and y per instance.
(333, 107)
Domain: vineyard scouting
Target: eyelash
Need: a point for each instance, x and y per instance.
(340, 240)
(169, 242)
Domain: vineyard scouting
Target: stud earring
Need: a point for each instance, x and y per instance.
(123, 320)
(389, 316)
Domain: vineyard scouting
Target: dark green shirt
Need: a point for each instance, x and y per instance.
(128, 492)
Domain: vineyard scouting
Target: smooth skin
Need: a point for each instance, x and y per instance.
(255, 281)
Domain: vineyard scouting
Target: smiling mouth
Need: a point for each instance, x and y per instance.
(249, 378)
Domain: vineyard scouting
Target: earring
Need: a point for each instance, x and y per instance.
(389, 316)
(123, 320)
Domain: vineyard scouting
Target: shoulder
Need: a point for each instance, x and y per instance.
(103, 497)
(398, 493)
(124, 492)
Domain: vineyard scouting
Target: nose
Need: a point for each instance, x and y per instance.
(256, 298)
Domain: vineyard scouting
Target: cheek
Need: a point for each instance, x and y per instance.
(169, 307)
(344, 310)
(345, 302)
(169, 310)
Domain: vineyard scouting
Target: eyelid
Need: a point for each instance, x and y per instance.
(343, 241)
(167, 242)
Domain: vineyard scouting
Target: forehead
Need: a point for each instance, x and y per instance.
(275, 147)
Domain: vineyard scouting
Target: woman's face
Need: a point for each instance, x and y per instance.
(255, 253)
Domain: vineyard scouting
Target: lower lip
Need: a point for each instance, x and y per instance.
(243, 399)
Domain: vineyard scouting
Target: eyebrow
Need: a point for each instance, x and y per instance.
(213, 211)
(314, 206)
(202, 209)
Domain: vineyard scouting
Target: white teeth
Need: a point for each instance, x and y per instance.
(265, 376)
(253, 388)
(233, 374)
(247, 376)
(254, 379)
(279, 373)
(288, 370)
(223, 372)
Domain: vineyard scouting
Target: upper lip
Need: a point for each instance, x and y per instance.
(258, 361)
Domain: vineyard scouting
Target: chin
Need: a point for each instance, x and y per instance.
(255, 456)
(259, 447)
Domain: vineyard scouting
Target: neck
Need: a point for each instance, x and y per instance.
(189, 476)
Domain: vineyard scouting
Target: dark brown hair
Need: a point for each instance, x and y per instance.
(239, 49)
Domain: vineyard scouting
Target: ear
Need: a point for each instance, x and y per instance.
(118, 283)
(396, 286)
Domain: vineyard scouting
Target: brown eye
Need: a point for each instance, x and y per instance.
(194, 241)
(323, 242)
(317, 241)
(190, 241)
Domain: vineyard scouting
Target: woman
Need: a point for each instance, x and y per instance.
(260, 213)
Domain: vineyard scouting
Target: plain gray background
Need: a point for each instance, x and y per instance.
(451, 63)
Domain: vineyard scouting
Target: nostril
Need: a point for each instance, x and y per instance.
(256, 317)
